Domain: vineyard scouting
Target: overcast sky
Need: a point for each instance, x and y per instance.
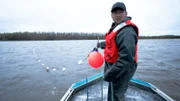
(153, 17)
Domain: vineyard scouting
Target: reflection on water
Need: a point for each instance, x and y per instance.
(24, 76)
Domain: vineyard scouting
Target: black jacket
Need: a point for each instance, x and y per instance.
(126, 41)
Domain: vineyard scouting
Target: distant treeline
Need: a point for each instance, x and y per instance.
(161, 37)
(49, 36)
(65, 36)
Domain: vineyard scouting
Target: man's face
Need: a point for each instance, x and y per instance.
(118, 15)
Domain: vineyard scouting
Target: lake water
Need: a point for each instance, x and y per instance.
(23, 75)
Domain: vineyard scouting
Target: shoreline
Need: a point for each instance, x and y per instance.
(89, 39)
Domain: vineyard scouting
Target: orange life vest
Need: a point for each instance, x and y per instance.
(111, 49)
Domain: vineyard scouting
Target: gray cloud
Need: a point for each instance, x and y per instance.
(39, 15)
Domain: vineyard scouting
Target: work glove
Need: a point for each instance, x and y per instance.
(101, 45)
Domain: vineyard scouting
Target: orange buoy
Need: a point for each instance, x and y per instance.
(95, 59)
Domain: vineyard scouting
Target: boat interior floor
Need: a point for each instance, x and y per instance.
(98, 92)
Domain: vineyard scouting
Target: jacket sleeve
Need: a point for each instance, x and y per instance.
(126, 41)
(102, 44)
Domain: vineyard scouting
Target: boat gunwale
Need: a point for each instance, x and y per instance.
(134, 82)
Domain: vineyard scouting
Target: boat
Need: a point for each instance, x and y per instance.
(94, 88)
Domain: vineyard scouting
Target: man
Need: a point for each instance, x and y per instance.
(120, 52)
